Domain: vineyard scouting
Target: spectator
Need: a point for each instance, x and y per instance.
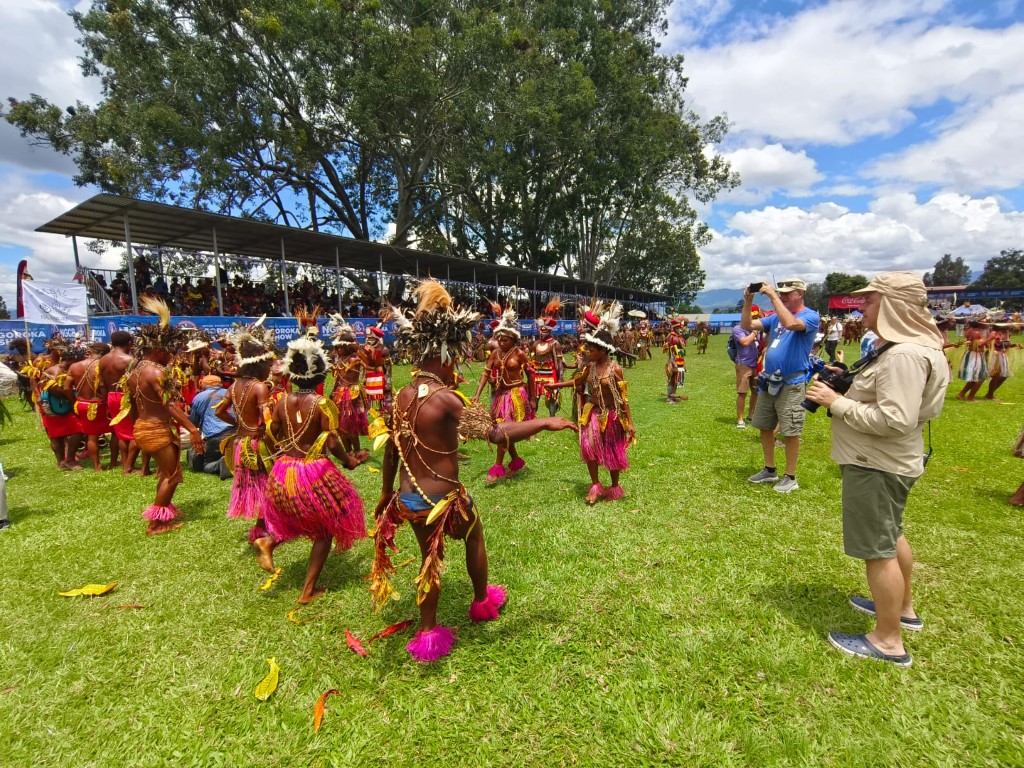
(791, 332)
(212, 391)
(877, 442)
(746, 367)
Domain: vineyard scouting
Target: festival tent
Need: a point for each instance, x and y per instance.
(973, 309)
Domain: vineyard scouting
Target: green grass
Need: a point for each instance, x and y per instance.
(684, 625)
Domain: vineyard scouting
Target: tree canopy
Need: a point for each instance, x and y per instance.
(1004, 271)
(542, 135)
(948, 271)
(842, 284)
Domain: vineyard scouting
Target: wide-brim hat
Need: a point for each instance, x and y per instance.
(903, 314)
(791, 284)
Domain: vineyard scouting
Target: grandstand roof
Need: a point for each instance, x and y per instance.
(159, 225)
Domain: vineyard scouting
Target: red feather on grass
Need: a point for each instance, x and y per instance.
(354, 644)
(388, 631)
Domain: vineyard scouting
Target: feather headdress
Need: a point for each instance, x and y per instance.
(508, 323)
(305, 359)
(550, 317)
(590, 314)
(307, 320)
(437, 328)
(158, 335)
(253, 343)
(56, 342)
(603, 334)
(342, 332)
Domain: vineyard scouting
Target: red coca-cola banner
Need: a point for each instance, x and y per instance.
(846, 302)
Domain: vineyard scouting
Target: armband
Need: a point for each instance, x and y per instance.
(330, 410)
(623, 390)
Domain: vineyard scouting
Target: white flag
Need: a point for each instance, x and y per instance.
(61, 303)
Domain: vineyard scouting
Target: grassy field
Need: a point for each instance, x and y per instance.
(684, 625)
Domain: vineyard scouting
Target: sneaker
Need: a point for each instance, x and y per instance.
(764, 476)
(864, 605)
(741, 424)
(787, 485)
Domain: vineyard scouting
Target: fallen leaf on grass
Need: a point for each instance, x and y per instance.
(354, 644)
(269, 683)
(270, 581)
(293, 616)
(388, 631)
(89, 590)
(406, 562)
(9, 689)
(318, 709)
(373, 470)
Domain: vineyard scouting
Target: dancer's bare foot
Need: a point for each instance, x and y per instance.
(265, 553)
(305, 599)
(155, 527)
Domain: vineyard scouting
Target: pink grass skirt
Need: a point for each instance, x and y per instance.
(249, 491)
(351, 414)
(504, 407)
(607, 448)
(313, 499)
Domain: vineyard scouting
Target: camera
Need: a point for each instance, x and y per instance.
(754, 288)
(839, 382)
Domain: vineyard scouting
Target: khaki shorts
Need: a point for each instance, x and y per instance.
(873, 504)
(781, 411)
(744, 378)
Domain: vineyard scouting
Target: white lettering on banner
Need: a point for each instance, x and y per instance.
(60, 303)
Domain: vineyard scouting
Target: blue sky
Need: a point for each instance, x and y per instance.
(869, 135)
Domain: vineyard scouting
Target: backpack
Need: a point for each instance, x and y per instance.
(733, 348)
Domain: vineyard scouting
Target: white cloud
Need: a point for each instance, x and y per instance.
(974, 152)
(768, 169)
(897, 232)
(849, 70)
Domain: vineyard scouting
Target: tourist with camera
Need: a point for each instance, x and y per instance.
(791, 332)
(877, 442)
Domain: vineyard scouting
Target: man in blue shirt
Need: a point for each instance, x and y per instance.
(214, 430)
(791, 332)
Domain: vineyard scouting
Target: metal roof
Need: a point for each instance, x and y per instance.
(160, 225)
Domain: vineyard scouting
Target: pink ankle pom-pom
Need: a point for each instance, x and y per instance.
(431, 644)
(614, 493)
(161, 514)
(257, 532)
(516, 464)
(495, 472)
(595, 493)
(488, 608)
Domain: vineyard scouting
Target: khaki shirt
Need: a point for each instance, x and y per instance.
(878, 423)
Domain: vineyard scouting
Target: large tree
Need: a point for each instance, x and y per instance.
(1004, 271)
(842, 284)
(535, 134)
(948, 271)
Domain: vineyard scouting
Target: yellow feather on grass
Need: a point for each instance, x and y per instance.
(269, 683)
(90, 590)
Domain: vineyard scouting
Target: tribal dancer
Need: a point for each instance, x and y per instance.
(974, 365)
(675, 367)
(91, 401)
(427, 421)
(378, 371)
(112, 368)
(547, 357)
(606, 424)
(246, 453)
(57, 400)
(151, 398)
(999, 370)
(309, 496)
(514, 400)
(348, 392)
(645, 338)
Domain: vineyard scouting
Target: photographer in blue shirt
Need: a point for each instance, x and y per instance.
(787, 369)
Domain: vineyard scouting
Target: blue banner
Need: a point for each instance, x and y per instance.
(37, 332)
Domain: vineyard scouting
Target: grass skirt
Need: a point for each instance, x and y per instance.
(352, 418)
(608, 447)
(973, 367)
(249, 491)
(313, 499)
(512, 405)
(1000, 365)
